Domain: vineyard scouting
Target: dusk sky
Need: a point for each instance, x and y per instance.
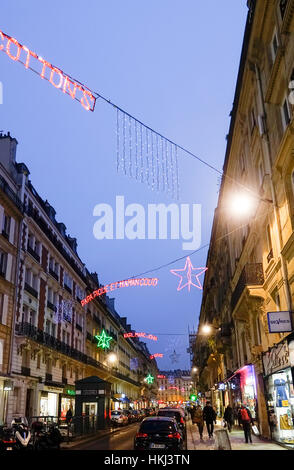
(171, 64)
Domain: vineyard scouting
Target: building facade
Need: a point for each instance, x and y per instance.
(48, 340)
(245, 358)
(174, 387)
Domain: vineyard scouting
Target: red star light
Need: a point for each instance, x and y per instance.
(187, 278)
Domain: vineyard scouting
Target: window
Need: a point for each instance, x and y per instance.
(274, 46)
(6, 225)
(282, 7)
(278, 302)
(260, 170)
(32, 317)
(38, 361)
(3, 263)
(252, 120)
(286, 113)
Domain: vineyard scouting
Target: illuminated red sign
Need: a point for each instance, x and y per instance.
(118, 285)
(19, 53)
(153, 356)
(161, 377)
(140, 335)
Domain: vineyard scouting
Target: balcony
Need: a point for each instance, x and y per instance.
(31, 290)
(51, 306)
(270, 256)
(33, 253)
(53, 274)
(11, 194)
(30, 331)
(58, 245)
(252, 275)
(68, 288)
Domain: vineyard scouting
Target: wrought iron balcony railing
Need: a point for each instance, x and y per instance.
(252, 275)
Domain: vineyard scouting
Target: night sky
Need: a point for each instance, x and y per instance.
(171, 64)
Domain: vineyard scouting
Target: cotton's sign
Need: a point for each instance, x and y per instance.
(279, 322)
(19, 53)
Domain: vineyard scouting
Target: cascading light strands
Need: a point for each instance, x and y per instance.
(144, 155)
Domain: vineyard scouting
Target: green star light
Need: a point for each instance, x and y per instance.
(103, 340)
(149, 379)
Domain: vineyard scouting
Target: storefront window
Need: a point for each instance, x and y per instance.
(66, 404)
(48, 404)
(281, 406)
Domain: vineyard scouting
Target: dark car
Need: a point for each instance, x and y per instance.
(158, 433)
(177, 414)
(137, 415)
(129, 414)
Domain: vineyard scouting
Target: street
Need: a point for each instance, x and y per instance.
(123, 439)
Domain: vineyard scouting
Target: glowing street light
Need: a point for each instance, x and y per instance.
(242, 204)
(112, 358)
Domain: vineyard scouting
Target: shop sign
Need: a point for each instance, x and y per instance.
(70, 392)
(276, 359)
(47, 388)
(279, 322)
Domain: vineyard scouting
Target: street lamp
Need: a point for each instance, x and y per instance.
(112, 358)
(208, 329)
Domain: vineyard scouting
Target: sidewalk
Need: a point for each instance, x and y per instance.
(236, 439)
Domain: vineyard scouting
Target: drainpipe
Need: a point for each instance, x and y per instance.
(268, 159)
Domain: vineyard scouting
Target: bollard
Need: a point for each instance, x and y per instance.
(222, 440)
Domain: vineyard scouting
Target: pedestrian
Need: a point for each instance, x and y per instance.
(246, 420)
(228, 417)
(68, 417)
(197, 418)
(209, 416)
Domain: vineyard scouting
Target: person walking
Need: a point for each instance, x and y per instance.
(228, 417)
(246, 420)
(197, 418)
(209, 416)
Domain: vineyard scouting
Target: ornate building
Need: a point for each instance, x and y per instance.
(251, 255)
(54, 338)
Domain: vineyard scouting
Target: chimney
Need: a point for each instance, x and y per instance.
(62, 229)
(8, 152)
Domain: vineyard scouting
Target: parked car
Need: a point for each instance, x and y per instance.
(177, 414)
(118, 418)
(158, 432)
(137, 415)
(130, 416)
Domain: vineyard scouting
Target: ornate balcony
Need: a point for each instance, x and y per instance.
(31, 290)
(33, 253)
(252, 275)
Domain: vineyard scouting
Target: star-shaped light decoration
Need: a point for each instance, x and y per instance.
(103, 340)
(149, 379)
(188, 276)
(174, 357)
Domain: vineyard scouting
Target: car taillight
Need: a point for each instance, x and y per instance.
(182, 421)
(141, 434)
(175, 435)
(12, 441)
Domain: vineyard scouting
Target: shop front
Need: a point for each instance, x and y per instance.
(67, 401)
(278, 365)
(6, 386)
(242, 389)
(49, 401)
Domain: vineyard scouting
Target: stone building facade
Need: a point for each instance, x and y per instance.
(251, 255)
